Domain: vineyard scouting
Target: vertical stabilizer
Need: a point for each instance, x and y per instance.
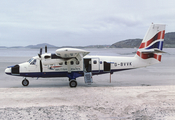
(150, 50)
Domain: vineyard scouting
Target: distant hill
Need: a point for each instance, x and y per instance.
(41, 45)
(2, 46)
(169, 42)
(52, 46)
(130, 43)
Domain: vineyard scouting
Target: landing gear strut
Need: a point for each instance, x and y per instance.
(73, 83)
(25, 82)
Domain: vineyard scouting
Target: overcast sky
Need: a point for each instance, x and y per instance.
(80, 22)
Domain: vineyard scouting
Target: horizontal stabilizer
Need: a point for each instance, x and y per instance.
(155, 50)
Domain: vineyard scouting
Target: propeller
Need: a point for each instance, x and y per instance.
(41, 66)
(40, 53)
(45, 49)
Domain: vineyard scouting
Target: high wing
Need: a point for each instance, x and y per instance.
(71, 53)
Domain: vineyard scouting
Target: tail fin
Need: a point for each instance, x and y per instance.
(151, 47)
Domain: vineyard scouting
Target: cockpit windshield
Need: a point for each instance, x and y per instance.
(33, 62)
(30, 60)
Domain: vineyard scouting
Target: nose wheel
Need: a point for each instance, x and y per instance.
(25, 82)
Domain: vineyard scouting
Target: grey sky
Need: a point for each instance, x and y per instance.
(80, 22)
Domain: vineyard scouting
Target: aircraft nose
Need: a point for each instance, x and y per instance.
(8, 70)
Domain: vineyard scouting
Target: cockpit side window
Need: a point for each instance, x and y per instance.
(33, 62)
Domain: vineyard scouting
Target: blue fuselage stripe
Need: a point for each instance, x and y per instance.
(63, 74)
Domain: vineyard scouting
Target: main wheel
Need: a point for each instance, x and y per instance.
(73, 83)
(25, 82)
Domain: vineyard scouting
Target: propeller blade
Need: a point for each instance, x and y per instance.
(45, 49)
(41, 66)
(40, 51)
(39, 55)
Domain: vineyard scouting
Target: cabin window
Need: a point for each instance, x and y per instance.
(95, 62)
(61, 63)
(65, 63)
(71, 62)
(77, 62)
(115, 64)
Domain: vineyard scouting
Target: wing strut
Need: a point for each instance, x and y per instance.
(79, 56)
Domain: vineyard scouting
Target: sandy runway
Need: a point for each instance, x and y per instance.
(143, 102)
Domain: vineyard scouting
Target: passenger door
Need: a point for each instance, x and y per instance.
(107, 66)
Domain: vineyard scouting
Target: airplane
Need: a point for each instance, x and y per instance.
(74, 63)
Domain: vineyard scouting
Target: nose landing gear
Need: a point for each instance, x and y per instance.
(25, 82)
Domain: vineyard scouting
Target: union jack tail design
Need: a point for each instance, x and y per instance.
(152, 44)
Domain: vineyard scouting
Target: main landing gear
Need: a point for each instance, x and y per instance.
(72, 83)
(25, 82)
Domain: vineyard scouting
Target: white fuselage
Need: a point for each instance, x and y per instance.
(58, 67)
